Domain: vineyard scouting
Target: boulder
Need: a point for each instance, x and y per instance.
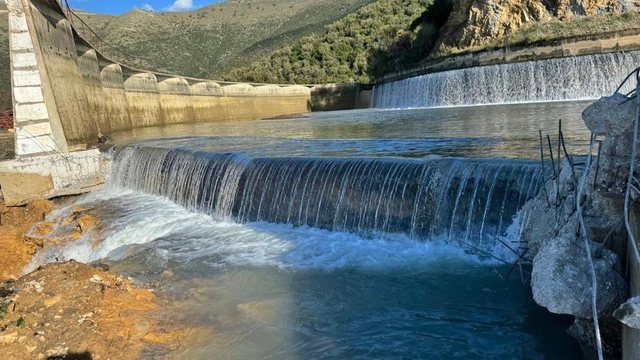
(610, 116)
(561, 279)
(629, 313)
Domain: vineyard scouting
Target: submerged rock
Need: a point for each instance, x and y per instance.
(629, 313)
(561, 279)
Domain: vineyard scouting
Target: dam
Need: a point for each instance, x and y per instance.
(67, 95)
(391, 227)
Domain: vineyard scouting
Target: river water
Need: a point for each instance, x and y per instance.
(379, 234)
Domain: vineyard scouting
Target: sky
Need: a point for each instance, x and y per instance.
(121, 6)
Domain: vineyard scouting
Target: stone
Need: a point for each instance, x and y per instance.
(8, 339)
(561, 279)
(629, 313)
(85, 222)
(19, 188)
(610, 116)
(49, 302)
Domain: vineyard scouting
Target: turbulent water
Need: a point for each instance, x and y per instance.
(421, 198)
(376, 234)
(562, 79)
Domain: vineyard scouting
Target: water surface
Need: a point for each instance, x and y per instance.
(379, 234)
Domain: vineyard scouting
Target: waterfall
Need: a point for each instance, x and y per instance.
(563, 79)
(462, 200)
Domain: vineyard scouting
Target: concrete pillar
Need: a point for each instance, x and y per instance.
(115, 106)
(90, 71)
(175, 100)
(143, 98)
(32, 116)
(207, 100)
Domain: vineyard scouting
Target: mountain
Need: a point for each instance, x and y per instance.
(395, 35)
(349, 50)
(204, 42)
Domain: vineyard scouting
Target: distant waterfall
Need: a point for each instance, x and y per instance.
(461, 199)
(570, 78)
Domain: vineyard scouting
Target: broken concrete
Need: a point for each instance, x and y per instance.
(561, 279)
(629, 313)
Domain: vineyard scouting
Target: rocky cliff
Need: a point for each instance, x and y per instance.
(475, 23)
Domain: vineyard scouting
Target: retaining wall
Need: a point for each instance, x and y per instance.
(94, 95)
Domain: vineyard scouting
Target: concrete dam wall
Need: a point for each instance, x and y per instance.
(82, 93)
(65, 93)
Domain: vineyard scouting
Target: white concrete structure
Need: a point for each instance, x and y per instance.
(32, 120)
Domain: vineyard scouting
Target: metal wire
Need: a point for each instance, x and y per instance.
(587, 246)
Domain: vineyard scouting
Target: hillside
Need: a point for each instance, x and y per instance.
(204, 42)
(389, 36)
(350, 50)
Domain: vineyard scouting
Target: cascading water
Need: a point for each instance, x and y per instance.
(562, 79)
(331, 248)
(472, 200)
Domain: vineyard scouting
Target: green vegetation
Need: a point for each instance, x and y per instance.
(389, 36)
(202, 43)
(355, 48)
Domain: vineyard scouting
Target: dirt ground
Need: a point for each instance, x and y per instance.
(72, 310)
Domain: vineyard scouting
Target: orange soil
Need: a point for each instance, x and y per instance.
(71, 308)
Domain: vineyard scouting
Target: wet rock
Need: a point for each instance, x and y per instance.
(85, 222)
(610, 116)
(583, 330)
(561, 279)
(629, 313)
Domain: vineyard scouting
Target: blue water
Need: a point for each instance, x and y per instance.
(272, 290)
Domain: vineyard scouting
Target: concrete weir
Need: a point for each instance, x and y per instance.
(66, 94)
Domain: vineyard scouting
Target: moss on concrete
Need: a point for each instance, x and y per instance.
(5, 79)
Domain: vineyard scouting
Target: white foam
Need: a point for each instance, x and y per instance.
(138, 219)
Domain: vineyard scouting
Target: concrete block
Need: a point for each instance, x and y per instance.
(26, 78)
(21, 41)
(18, 22)
(34, 145)
(31, 112)
(24, 60)
(28, 94)
(47, 176)
(19, 188)
(15, 5)
(34, 130)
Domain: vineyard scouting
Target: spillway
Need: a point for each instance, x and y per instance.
(469, 200)
(563, 79)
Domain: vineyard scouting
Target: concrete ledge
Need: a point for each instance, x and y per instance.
(50, 176)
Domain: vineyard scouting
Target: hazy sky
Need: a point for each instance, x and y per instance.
(122, 6)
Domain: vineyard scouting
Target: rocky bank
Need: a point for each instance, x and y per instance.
(561, 279)
(71, 310)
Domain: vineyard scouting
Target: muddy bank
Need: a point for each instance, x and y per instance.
(71, 308)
